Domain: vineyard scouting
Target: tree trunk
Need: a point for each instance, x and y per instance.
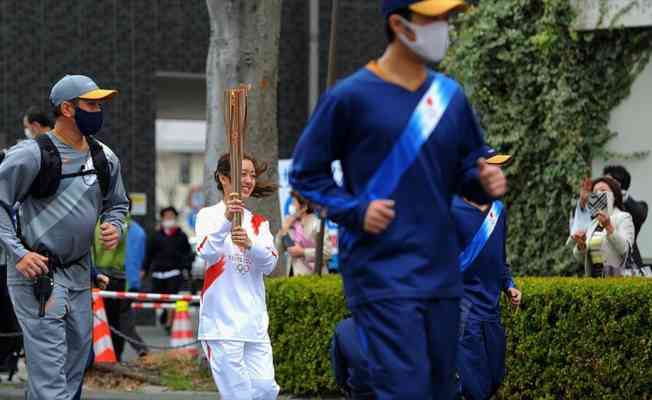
(244, 48)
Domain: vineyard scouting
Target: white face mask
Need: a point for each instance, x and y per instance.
(168, 223)
(28, 134)
(431, 41)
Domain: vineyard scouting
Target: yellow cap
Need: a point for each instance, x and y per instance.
(499, 159)
(434, 8)
(182, 306)
(98, 94)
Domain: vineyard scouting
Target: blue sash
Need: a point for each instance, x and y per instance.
(481, 237)
(422, 123)
(425, 118)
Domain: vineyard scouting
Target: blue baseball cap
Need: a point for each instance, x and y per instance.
(429, 8)
(78, 87)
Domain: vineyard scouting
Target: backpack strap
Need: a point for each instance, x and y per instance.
(47, 181)
(101, 164)
(49, 177)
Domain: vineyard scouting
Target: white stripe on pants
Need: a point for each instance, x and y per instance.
(242, 370)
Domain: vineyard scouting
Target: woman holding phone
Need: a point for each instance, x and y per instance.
(604, 246)
(298, 237)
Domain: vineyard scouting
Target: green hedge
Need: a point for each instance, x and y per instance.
(573, 338)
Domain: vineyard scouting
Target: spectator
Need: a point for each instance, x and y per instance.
(637, 209)
(168, 258)
(298, 238)
(605, 244)
(113, 264)
(135, 253)
(36, 122)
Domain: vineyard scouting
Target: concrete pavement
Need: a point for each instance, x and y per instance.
(16, 392)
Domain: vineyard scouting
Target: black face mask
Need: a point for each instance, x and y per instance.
(88, 123)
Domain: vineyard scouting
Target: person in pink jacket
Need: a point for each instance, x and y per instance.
(233, 320)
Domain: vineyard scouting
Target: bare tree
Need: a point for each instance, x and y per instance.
(244, 48)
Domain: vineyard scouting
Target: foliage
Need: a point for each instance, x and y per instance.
(303, 314)
(544, 93)
(573, 338)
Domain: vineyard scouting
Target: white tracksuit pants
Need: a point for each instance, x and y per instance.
(242, 370)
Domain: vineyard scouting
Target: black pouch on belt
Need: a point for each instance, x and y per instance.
(44, 283)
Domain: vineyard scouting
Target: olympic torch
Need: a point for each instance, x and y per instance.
(235, 121)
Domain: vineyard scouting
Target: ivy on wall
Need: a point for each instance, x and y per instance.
(544, 93)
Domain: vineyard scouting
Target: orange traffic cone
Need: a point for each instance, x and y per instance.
(102, 343)
(182, 327)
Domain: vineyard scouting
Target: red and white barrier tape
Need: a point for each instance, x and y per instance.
(148, 296)
(156, 306)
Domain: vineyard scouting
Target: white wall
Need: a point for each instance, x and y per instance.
(633, 121)
(628, 13)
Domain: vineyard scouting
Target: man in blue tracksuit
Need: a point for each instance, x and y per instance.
(407, 140)
(482, 232)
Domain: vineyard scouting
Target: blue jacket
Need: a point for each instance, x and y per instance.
(358, 122)
(489, 273)
(135, 254)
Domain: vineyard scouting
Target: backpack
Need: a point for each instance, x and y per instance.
(50, 175)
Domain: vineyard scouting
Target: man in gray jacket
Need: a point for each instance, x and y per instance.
(57, 344)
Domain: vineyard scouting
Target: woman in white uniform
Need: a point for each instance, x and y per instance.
(233, 315)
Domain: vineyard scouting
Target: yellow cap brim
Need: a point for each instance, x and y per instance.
(435, 8)
(499, 159)
(98, 94)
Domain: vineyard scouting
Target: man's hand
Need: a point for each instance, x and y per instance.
(102, 281)
(492, 179)
(380, 214)
(514, 296)
(109, 235)
(32, 265)
(585, 191)
(240, 238)
(296, 251)
(605, 222)
(233, 206)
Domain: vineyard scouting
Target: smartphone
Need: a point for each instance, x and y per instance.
(598, 201)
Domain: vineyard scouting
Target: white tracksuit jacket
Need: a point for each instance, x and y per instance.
(233, 303)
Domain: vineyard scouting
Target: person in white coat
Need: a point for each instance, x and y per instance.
(233, 321)
(609, 237)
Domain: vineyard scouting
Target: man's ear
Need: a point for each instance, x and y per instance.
(396, 24)
(67, 109)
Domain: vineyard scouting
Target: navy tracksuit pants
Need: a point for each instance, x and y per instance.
(411, 347)
(481, 357)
